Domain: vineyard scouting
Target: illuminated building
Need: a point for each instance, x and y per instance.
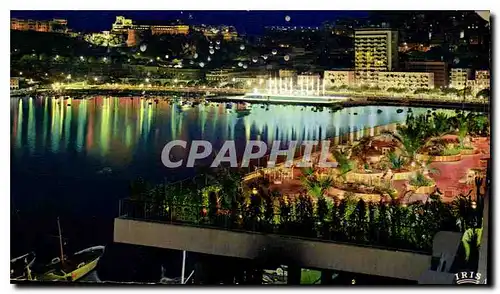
(227, 32)
(405, 47)
(291, 29)
(287, 73)
(459, 77)
(483, 78)
(375, 49)
(381, 79)
(124, 25)
(54, 25)
(132, 38)
(170, 29)
(405, 80)
(14, 83)
(307, 79)
(438, 68)
(121, 25)
(481, 81)
(221, 76)
(337, 78)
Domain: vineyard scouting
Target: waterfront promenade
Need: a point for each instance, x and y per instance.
(222, 94)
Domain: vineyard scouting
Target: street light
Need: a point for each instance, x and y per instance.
(254, 191)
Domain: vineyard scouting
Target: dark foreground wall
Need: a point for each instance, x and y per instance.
(306, 253)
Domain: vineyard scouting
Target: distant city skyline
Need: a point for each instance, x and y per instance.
(246, 22)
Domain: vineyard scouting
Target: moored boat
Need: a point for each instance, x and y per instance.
(20, 266)
(70, 268)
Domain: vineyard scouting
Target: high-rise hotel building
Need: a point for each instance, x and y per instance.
(375, 50)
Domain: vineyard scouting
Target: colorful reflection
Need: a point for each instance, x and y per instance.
(117, 129)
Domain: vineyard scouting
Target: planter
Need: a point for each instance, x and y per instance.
(480, 139)
(423, 189)
(439, 158)
(402, 175)
(367, 197)
(468, 151)
(363, 177)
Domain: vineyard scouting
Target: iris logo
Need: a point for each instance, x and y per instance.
(468, 278)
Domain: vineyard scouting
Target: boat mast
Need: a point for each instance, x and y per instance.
(60, 240)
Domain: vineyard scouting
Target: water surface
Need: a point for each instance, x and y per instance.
(76, 161)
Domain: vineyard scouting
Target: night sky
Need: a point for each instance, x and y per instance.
(249, 22)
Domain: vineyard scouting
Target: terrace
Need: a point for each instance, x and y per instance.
(382, 197)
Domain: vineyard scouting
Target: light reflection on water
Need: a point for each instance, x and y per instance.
(115, 131)
(58, 150)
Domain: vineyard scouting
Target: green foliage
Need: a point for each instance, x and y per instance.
(344, 164)
(471, 238)
(463, 211)
(350, 220)
(310, 277)
(420, 180)
(322, 210)
(397, 162)
(484, 93)
(479, 125)
(441, 124)
(412, 136)
(451, 151)
(316, 186)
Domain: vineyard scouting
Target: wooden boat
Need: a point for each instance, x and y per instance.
(71, 268)
(20, 266)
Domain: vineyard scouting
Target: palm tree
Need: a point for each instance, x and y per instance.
(441, 124)
(462, 211)
(463, 128)
(412, 136)
(316, 187)
(344, 164)
(397, 162)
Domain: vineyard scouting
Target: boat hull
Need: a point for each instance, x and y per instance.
(81, 270)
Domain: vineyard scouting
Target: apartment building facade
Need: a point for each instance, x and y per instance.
(438, 68)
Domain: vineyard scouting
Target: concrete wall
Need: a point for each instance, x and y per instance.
(307, 253)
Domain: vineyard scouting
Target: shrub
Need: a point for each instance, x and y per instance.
(419, 180)
(451, 151)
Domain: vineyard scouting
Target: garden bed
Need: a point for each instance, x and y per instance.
(364, 177)
(439, 158)
(403, 175)
(367, 197)
(480, 139)
(472, 151)
(421, 190)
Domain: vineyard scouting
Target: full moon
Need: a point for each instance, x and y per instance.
(288, 18)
